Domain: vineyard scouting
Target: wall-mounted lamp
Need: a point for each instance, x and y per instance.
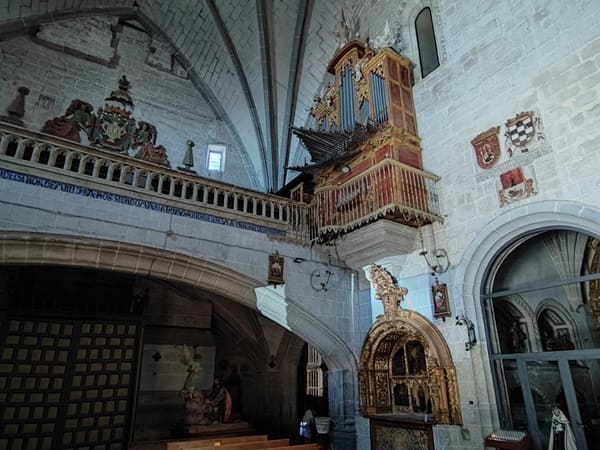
(320, 282)
(441, 263)
(299, 260)
(345, 169)
(472, 339)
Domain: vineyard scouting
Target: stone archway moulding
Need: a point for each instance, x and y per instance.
(503, 229)
(48, 249)
(493, 238)
(61, 250)
(26, 248)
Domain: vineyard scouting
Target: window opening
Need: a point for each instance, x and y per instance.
(314, 373)
(428, 54)
(215, 161)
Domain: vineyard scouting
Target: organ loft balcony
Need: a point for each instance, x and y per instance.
(366, 163)
(365, 178)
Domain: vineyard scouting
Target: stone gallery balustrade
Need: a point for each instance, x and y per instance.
(48, 157)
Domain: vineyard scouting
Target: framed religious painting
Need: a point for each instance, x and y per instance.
(276, 269)
(441, 303)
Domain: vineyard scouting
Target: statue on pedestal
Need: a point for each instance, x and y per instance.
(217, 406)
(193, 398)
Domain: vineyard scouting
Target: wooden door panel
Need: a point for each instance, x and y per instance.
(66, 383)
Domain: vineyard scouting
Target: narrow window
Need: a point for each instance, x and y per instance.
(215, 160)
(428, 54)
(314, 373)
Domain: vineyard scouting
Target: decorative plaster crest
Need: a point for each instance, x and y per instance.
(387, 38)
(387, 289)
(345, 31)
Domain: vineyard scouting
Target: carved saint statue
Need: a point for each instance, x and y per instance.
(193, 398)
(78, 117)
(387, 289)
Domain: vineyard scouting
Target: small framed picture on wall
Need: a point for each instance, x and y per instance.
(276, 269)
(441, 303)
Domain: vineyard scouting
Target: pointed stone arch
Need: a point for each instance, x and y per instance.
(481, 258)
(552, 308)
(27, 248)
(521, 313)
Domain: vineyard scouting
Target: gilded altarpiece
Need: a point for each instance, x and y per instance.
(407, 375)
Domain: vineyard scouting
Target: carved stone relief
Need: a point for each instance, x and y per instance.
(388, 434)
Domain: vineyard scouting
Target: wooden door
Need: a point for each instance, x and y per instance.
(66, 383)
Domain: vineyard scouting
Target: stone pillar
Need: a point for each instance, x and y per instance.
(269, 415)
(342, 408)
(365, 319)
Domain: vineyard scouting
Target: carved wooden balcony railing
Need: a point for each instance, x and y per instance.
(46, 157)
(390, 190)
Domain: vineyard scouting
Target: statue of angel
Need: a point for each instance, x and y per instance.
(193, 397)
(187, 356)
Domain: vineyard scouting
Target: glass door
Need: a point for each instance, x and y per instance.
(542, 307)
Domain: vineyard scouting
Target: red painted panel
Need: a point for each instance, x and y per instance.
(410, 158)
(382, 153)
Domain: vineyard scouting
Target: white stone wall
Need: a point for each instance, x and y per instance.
(164, 99)
(497, 60)
(498, 63)
(322, 318)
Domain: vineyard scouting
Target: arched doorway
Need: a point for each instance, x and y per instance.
(188, 275)
(96, 358)
(542, 307)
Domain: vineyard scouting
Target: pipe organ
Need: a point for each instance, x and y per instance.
(366, 155)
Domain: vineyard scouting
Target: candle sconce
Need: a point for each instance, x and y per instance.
(471, 338)
(320, 281)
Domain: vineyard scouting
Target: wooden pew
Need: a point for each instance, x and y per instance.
(283, 443)
(195, 443)
(294, 447)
